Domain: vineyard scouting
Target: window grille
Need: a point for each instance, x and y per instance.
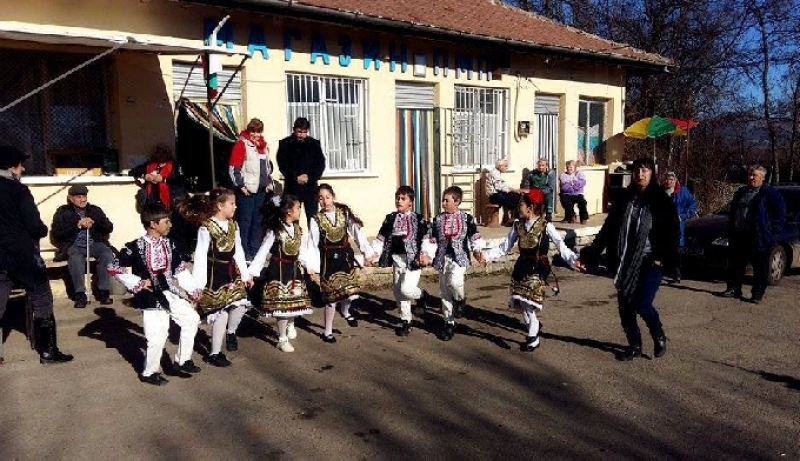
(480, 127)
(336, 108)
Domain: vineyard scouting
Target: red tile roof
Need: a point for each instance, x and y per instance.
(490, 19)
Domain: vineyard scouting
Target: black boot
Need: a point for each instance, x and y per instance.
(659, 343)
(46, 342)
(404, 329)
(631, 352)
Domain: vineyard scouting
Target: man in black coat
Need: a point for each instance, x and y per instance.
(640, 235)
(21, 228)
(80, 229)
(302, 163)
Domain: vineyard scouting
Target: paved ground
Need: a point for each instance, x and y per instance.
(729, 386)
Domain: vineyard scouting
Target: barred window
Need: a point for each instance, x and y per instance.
(480, 126)
(336, 108)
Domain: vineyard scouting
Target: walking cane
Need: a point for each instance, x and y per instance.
(88, 277)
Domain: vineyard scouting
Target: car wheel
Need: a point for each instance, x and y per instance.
(777, 265)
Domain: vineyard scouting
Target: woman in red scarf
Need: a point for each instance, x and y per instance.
(162, 182)
(160, 178)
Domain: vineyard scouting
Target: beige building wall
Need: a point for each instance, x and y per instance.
(141, 102)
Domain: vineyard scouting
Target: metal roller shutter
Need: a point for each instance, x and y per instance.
(546, 104)
(196, 86)
(413, 95)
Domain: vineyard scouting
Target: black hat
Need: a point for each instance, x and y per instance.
(11, 156)
(77, 189)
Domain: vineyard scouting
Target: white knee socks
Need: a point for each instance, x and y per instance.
(218, 332)
(330, 312)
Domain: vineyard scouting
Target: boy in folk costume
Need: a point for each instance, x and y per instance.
(399, 245)
(154, 262)
(280, 262)
(528, 286)
(453, 237)
(337, 270)
(220, 267)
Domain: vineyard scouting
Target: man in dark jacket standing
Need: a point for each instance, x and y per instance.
(81, 229)
(757, 215)
(302, 163)
(21, 228)
(641, 236)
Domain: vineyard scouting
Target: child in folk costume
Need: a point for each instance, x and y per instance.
(219, 267)
(533, 233)
(453, 237)
(338, 275)
(154, 262)
(399, 244)
(280, 262)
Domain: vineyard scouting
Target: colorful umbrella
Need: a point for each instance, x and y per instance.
(653, 127)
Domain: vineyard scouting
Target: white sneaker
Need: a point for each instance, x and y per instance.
(285, 346)
(291, 331)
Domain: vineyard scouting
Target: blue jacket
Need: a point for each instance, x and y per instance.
(686, 207)
(770, 215)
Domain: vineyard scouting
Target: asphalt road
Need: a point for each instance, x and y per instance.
(729, 386)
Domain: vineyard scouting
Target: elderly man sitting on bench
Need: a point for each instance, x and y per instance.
(498, 192)
(80, 230)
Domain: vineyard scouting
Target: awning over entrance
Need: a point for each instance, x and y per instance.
(44, 33)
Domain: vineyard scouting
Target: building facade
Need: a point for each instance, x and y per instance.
(397, 92)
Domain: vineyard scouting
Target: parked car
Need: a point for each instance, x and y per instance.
(707, 244)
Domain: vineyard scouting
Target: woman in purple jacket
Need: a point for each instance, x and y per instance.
(571, 193)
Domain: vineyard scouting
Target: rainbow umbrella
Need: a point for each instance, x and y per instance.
(653, 127)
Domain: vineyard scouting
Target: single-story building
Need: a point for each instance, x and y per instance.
(398, 91)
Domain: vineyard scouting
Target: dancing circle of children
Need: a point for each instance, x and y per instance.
(154, 262)
(453, 236)
(280, 262)
(528, 284)
(332, 257)
(220, 268)
(399, 245)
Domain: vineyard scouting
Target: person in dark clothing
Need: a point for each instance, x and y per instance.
(641, 239)
(21, 228)
(757, 215)
(80, 229)
(302, 163)
(544, 179)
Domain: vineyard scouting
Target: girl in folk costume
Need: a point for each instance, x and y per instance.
(337, 268)
(533, 233)
(219, 267)
(280, 262)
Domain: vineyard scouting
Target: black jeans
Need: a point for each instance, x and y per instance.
(40, 295)
(642, 304)
(507, 200)
(742, 250)
(569, 202)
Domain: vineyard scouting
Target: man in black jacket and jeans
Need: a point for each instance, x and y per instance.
(80, 229)
(302, 163)
(21, 228)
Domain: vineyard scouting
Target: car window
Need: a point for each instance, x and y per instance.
(792, 199)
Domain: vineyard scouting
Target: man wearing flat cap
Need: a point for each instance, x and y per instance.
(21, 264)
(80, 229)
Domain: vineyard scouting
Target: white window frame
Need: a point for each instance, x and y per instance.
(337, 110)
(586, 104)
(480, 127)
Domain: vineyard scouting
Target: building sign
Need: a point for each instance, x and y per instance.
(397, 55)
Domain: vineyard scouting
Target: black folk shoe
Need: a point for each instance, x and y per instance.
(448, 332)
(218, 360)
(404, 329)
(731, 293)
(659, 344)
(155, 379)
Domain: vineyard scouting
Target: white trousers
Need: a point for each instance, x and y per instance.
(532, 322)
(406, 285)
(156, 331)
(451, 284)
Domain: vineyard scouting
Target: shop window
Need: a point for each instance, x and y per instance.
(336, 108)
(591, 131)
(62, 127)
(480, 127)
